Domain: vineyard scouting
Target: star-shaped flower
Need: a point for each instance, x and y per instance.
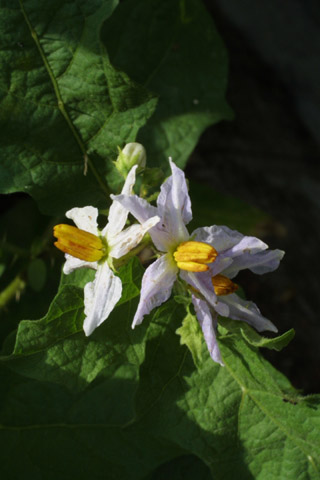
(86, 246)
(207, 260)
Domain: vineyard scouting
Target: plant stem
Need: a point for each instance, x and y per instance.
(14, 289)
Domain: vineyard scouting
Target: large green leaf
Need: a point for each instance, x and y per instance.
(63, 105)
(121, 403)
(172, 48)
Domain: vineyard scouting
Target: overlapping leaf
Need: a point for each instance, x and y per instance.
(126, 402)
(179, 55)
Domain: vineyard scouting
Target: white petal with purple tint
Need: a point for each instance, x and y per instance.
(157, 283)
(206, 323)
(247, 311)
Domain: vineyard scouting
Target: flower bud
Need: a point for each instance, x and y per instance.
(132, 154)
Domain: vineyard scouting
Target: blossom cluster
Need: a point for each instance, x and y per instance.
(206, 260)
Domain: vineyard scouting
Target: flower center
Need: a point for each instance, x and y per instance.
(223, 285)
(194, 256)
(78, 243)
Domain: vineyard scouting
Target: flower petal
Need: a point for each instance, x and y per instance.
(247, 311)
(129, 238)
(85, 218)
(260, 263)
(206, 323)
(138, 207)
(73, 263)
(174, 205)
(142, 211)
(220, 237)
(100, 297)
(157, 283)
(118, 213)
(203, 284)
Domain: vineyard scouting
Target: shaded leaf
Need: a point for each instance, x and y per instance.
(70, 106)
(184, 63)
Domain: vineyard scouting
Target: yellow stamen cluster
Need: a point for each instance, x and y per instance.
(194, 256)
(78, 243)
(223, 285)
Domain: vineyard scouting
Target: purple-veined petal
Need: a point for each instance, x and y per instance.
(129, 238)
(142, 211)
(85, 218)
(206, 323)
(174, 206)
(100, 297)
(247, 311)
(73, 263)
(203, 284)
(260, 263)
(157, 283)
(118, 213)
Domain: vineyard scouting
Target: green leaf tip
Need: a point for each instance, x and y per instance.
(257, 340)
(253, 338)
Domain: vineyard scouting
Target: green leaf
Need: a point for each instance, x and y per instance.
(277, 343)
(63, 106)
(58, 340)
(149, 408)
(252, 337)
(184, 63)
(191, 336)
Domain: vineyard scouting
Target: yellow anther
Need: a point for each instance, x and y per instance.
(194, 256)
(78, 243)
(223, 285)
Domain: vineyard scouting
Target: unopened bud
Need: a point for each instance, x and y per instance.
(132, 154)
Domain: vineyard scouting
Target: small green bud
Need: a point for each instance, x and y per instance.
(132, 154)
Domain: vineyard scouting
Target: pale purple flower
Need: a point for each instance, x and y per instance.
(235, 252)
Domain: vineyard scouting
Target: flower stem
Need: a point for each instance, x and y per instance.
(14, 289)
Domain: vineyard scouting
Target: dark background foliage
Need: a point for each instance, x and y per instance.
(269, 156)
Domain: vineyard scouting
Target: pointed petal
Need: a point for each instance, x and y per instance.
(73, 263)
(118, 213)
(247, 311)
(129, 238)
(203, 284)
(260, 263)
(206, 323)
(142, 211)
(157, 283)
(174, 205)
(237, 251)
(100, 297)
(138, 207)
(85, 218)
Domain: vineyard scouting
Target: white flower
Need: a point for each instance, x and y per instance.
(208, 272)
(87, 246)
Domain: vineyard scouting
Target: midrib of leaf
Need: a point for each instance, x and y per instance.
(61, 106)
(266, 412)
